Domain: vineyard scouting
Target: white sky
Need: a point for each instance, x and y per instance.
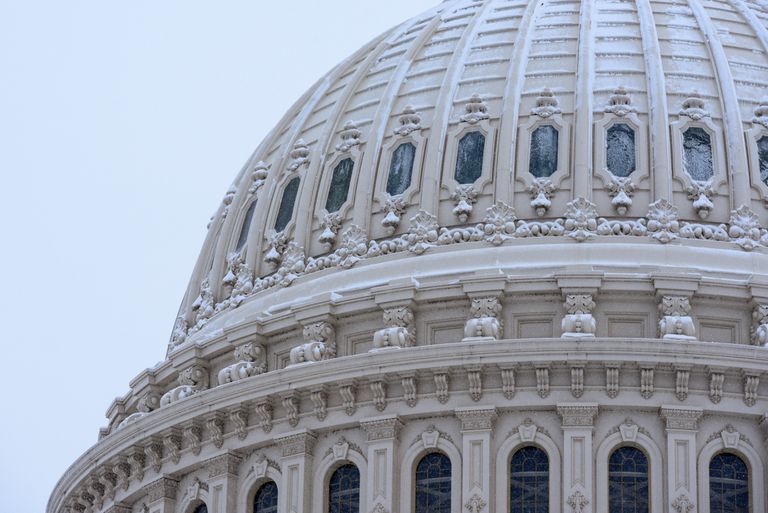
(121, 126)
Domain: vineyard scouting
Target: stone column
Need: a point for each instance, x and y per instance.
(222, 482)
(296, 463)
(476, 430)
(383, 464)
(578, 459)
(682, 425)
(161, 495)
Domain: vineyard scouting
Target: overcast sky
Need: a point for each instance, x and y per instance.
(121, 126)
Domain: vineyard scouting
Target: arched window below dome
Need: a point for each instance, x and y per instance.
(762, 154)
(529, 481)
(543, 156)
(344, 490)
(469, 158)
(697, 154)
(433, 484)
(265, 500)
(339, 189)
(243, 238)
(628, 490)
(202, 508)
(285, 212)
(728, 484)
(401, 169)
(620, 150)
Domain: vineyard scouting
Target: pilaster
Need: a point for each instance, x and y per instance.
(161, 495)
(222, 482)
(383, 433)
(476, 431)
(682, 423)
(578, 421)
(296, 462)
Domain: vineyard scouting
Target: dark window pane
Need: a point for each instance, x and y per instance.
(433, 484)
(202, 508)
(697, 154)
(620, 152)
(401, 169)
(285, 213)
(529, 481)
(337, 193)
(243, 238)
(344, 490)
(728, 484)
(469, 161)
(544, 146)
(628, 490)
(265, 500)
(762, 152)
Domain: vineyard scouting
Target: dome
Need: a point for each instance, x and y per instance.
(505, 230)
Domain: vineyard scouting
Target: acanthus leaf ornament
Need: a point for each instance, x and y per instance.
(547, 105)
(700, 193)
(320, 344)
(393, 208)
(745, 229)
(578, 502)
(423, 232)
(676, 322)
(237, 283)
(203, 307)
(662, 221)
(541, 191)
(277, 242)
(331, 224)
(409, 120)
(475, 110)
(621, 190)
(581, 220)
(620, 103)
(350, 137)
(353, 246)
(250, 361)
(464, 197)
(475, 504)
(682, 504)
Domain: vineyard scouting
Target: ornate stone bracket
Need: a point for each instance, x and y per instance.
(701, 193)
(191, 381)
(579, 322)
(694, 107)
(647, 381)
(393, 207)
(146, 405)
(541, 191)
(251, 361)
(331, 225)
(320, 344)
(621, 190)
(751, 385)
(259, 176)
(464, 197)
(676, 322)
(399, 332)
(620, 103)
(484, 321)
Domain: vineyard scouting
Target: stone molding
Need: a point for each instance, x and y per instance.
(382, 428)
(577, 414)
(300, 443)
(478, 418)
(226, 464)
(681, 418)
(163, 488)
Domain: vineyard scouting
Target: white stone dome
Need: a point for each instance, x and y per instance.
(502, 224)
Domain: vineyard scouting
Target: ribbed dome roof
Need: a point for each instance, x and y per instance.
(675, 77)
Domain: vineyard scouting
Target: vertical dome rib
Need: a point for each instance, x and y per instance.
(736, 152)
(583, 111)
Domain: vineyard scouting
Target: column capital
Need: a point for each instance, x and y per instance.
(577, 414)
(163, 488)
(227, 463)
(681, 417)
(476, 418)
(386, 427)
(297, 443)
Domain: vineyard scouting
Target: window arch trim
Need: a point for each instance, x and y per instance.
(247, 490)
(656, 468)
(720, 170)
(504, 457)
(328, 465)
(411, 459)
(754, 465)
(453, 138)
(323, 185)
(385, 161)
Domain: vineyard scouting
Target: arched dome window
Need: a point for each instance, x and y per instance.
(620, 150)
(469, 159)
(628, 490)
(401, 169)
(697, 154)
(529, 481)
(243, 238)
(285, 213)
(344, 490)
(433, 484)
(728, 484)
(544, 144)
(762, 154)
(202, 508)
(265, 500)
(339, 189)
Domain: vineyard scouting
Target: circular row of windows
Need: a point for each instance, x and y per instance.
(628, 484)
